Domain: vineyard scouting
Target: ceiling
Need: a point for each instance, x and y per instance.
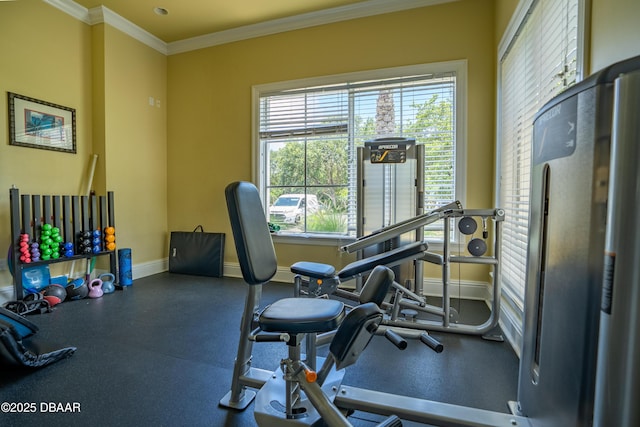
(191, 18)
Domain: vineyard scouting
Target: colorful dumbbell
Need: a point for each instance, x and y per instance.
(24, 248)
(110, 238)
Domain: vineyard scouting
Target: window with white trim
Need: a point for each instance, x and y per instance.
(539, 58)
(306, 134)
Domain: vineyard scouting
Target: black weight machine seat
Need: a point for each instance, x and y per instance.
(301, 316)
(258, 264)
(288, 319)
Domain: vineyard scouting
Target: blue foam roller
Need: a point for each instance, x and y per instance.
(125, 274)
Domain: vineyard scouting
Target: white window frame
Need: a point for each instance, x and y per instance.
(458, 66)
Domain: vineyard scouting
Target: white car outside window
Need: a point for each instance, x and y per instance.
(291, 208)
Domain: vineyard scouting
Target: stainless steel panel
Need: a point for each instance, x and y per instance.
(618, 372)
(565, 263)
(375, 194)
(404, 188)
(388, 191)
(388, 195)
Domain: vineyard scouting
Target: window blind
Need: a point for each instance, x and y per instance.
(342, 117)
(540, 61)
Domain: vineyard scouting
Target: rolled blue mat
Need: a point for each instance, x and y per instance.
(125, 274)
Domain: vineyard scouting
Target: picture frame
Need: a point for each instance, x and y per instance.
(39, 124)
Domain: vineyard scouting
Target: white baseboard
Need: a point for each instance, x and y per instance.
(511, 324)
(283, 274)
(150, 268)
(464, 289)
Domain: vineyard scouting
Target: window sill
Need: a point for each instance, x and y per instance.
(310, 239)
(329, 240)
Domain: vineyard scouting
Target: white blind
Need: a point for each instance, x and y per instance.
(539, 63)
(341, 117)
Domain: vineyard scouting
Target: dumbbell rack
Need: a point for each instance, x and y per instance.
(71, 214)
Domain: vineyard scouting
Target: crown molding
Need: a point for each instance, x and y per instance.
(71, 8)
(327, 16)
(101, 14)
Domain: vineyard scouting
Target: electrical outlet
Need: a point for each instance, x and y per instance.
(158, 103)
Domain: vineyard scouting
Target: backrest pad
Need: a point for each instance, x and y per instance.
(251, 234)
(354, 334)
(377, 285)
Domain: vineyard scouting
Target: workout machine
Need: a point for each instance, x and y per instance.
(300, 396)
(617, 385)
(320, 279)
(582, 317)
(575, 208)
(582, 266)
(411, 301)
(390, 229)
(389, 190)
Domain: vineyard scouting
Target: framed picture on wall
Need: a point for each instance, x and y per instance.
(40, 124)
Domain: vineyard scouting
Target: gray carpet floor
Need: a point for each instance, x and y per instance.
(161, 354)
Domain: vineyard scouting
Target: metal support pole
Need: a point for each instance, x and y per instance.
(238, 397)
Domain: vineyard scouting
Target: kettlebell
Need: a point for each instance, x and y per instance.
(95, 288)
(107, 282)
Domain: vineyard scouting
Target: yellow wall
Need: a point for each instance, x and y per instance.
(48, 59)
(615, 32)
(209, 137)
(136, 143)
(504, 11)
(168, 165)
(107, 77)
(51, 62)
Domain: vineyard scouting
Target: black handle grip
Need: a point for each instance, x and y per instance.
(430, 341)
(396, 339)
(269, 338)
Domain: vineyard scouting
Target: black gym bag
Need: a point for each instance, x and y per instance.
(196, 252)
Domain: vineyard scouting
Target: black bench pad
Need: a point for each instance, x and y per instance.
(313, 269)
(389, 258)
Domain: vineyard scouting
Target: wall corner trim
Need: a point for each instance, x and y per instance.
(71, 8)
(101, 14)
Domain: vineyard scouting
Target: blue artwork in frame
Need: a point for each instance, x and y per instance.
(39, 124)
